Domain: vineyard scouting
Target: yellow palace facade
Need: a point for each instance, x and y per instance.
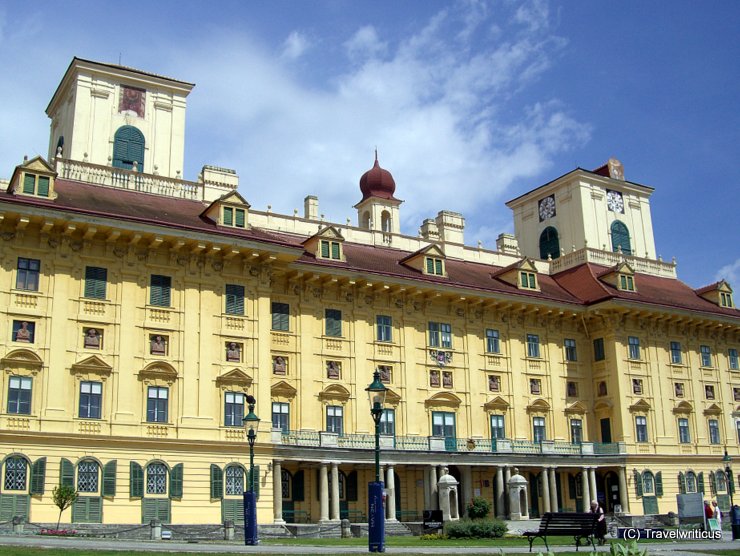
(138, 309)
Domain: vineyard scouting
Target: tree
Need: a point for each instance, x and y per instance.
(63, 496)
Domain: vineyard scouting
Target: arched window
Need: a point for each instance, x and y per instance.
(721, 480)
(16, 473)
(621, 238)
(648, 483)
(128, 147)
(234, 480)
(366, 220)
(156, 478)
(60, 146)
(549, 244)
(88, 472)
(690, 482)
(286, 482)
(385, 221)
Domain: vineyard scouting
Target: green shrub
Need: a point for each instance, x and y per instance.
(433, 537)
(479, 508)
(475, 529)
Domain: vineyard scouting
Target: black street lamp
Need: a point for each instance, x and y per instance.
(376, 512)
(727, 460)
(250, 496)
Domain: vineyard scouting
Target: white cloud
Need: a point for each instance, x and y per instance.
(364, 44)
(729, 272)
(295, 45)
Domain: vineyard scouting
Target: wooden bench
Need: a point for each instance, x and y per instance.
(295, 516)
(578, 525)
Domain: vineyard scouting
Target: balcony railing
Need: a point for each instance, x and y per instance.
(450, 444)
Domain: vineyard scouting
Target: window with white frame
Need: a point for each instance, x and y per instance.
(533, 345)
(16, 474)
(440, 334)
(335, 419)
(634, 347)
(91, 394)
(388, 422)
(706, 356)
(88, 474)
(157, 403)
(385, 328)
(234, 480)
(570, 350)
(676, 357)
(493, 344)
(498, 427)
(641, 431)
(156, 478)
(281, 416)
(684, 436)
(233, 409)
(19, 395)
(539, 433)
(714, 437)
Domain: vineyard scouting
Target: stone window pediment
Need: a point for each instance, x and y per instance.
(335, 392)
(496, 404)
(234, 377)
(22, 359)
(639, 406)
(283, 390)
(92, 365)
(443, 399)
(538, 406)
(576, 408)
(158, 371)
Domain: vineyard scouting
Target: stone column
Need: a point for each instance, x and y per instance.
(324, 493)
(433, 487)
(624, 498)
(390, 485)
(553, 490)
(277, 491)
(500, 494)
(507, 477)
(427, 490)
(334, 492)
(592, 483)
(584, 488)
(467, 485)
(545, 489)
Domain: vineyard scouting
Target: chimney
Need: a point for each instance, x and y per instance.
(507, 244)
(450, 226)
(311, 207)
(429, 230)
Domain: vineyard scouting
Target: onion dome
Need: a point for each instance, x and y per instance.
(377, 182)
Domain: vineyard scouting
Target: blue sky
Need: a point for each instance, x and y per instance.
(469, 103)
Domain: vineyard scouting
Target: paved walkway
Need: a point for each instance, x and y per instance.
(686, 548)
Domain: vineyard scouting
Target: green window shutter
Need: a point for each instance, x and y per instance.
(232, 509)
(159, 294)
(234, 299)
(240, 218)
(109, 478)
(12, 505)
(325, 249)
(43, 188)
(217, 482)
(298, 486)
(430, 265)
(149, 509)
(681, 483)
(700, 482)
(712, 483)
(136, 487)
(67, 473)
(228, 216)
(87, 509)
(176, 481)
(29, 183)
(352, 487)
(38, 476)
(438, 267)
(95, 282)
(730, 483)
(335, 250)
(659, 483)
(638, 484)
(318, 484)
(254, 481)
(280, 316)
(571, 487)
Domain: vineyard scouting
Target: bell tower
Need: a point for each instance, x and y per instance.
(379, 209)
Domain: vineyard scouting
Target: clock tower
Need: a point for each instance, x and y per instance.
(598, 209)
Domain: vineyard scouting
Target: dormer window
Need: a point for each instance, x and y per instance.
(725, 299)
(528, 280)
(36, 185)
(434, 266)
(626, 283)
(235, 217)
(331, 250)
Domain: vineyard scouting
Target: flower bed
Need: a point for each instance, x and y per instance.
(58, 532)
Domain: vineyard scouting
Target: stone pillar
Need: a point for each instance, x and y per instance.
(334, 491)
(592, 483)
(584, 488)
(545, 489)
(467, 485)
(277, 491)
(324, 493)
(553, 490)
(427, 490)
(507, 501)
(500, 494)
(624, 499)
(433, 487)
(390, 486)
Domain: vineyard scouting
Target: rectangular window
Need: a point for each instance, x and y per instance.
(576, 431)
(599, 354)
(440, 334)
(528, 280)
(571, 389)
(28, 274)
(493, 344)
(330, 250)
(156, 405)
(706, 356)
(678, 389)
(96, 279)
(280, 316)
(641, 429)
(634, 347)
(538, 429)
(443, 424)
(570, 350)
(29, 184)
(334, 419)
(637, 386)
(533, 345)
(233, 409)
(38, 185)
(159, 294)
(714, 431)
(498, 428)
(725, 299)
(388, 422)
(434, 266)
(709, 391)
(281, 416)
(446, 332)
(19, 395)
(91, 394)
(732, 356)
(676, 357)
(683, 431)
(333, 319)
(234, 299)
(239, 218)
(535, 386)
(626, 283)
(228, 216)
(385, 328)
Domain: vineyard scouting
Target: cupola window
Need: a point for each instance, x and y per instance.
(621, 238)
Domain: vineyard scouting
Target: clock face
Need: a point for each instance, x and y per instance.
(547, 207)
(614, 201)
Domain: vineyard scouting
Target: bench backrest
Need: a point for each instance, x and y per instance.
(568, 522)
